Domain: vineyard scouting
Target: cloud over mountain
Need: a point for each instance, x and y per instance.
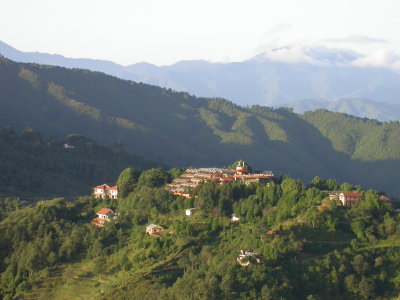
(318, 55)
(383, 58)
(339, 57)
(358, 39)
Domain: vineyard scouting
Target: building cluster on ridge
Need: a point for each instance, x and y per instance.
(350, 198)
(191, 178)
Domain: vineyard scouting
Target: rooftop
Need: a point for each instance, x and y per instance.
(104, 211)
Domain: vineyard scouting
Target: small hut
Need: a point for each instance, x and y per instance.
(153, 229)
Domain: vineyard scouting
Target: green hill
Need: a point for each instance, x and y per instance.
(184, 130)
(51, 251)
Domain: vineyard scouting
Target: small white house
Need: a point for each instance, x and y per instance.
(234, 218)
(190, 211)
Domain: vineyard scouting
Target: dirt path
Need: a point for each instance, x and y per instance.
(90, 279)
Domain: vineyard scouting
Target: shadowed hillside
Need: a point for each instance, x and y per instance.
(34, 165)
(184, 130)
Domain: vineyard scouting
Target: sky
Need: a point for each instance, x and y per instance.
(163, 32)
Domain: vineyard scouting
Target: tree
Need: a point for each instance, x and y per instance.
(174, 173)
(366, 288)
(31, 135)
(318, 183)
(153, 178)
(241, 163)
(126, 182)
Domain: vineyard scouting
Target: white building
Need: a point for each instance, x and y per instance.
(190, 211)
(234, 218)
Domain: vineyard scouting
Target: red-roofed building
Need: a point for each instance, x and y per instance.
(103, 215)
(386, 199)
(104, 190)
(241, 169)
(348, 199)
(185, 184)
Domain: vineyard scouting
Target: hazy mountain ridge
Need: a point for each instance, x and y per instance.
(279, 76)
(59, 60)
(381, 111)
(183, 130)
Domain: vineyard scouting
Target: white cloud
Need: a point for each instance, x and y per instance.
(325, 56)
(291, 54)
(358, 39)
(315, 55)
(383, 58)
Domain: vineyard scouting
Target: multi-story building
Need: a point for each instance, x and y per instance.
(104, 190)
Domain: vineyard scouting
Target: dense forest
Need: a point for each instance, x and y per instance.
(182, 130)
(34, 166)
(305, 250)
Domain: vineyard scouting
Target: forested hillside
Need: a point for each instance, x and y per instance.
(183, 130)
(51, 251)
(35, 165)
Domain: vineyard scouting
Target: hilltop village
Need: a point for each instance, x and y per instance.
(228, 231)
(185, 184)
(191, 178)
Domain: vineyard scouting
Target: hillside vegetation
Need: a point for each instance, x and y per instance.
(52, 251)
(183, 130)
(35, 166)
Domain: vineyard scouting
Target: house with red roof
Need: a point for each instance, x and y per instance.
(103, 215)
(386, 200)
(104, 190)
(348, 199)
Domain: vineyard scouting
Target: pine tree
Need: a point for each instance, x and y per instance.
(126, 182)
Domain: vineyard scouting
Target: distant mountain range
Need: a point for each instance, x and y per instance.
(275, 78)
(182, 130)
(381, 111)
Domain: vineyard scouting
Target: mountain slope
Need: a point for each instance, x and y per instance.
(275, 77)
(183, 130)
